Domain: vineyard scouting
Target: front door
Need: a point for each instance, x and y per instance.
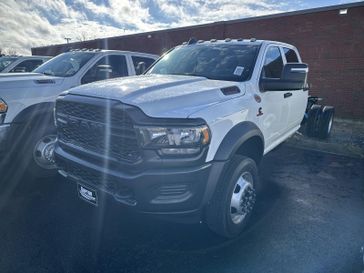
(275, 108)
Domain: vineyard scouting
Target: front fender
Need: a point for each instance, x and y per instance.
(235, 138)
(23, 121)
(42, 110)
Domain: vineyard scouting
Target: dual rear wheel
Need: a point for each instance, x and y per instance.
(319, 121)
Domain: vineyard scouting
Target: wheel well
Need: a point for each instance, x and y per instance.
(40, 120)
(252, 148)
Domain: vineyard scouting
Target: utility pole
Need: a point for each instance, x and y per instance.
(67, 39)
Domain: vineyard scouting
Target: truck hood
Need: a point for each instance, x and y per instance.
(27, 80)
(161, 95)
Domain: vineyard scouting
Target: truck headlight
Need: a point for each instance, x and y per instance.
(175, 140)
(3, 110)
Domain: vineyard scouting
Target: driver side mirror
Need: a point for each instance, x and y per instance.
(293, 77)
(140, 68)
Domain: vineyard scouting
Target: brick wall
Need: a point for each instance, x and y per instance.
(332, 45)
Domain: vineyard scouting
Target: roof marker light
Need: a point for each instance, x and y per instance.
(343, 11)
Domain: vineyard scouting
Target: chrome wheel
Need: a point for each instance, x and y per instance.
(43, 153)
(243, 198)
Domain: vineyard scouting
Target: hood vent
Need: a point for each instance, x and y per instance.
(46, 81)
(231, 90)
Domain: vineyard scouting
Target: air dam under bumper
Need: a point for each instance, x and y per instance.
(177, 194)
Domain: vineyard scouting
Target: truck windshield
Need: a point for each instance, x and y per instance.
(229, 62)
(6, 61)
(66, 64)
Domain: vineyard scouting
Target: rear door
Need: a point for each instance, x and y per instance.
(273, 118)
(297, 99)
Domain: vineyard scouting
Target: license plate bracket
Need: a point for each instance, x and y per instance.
(87, 194)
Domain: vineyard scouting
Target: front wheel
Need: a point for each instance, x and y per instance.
(43, 152)
(36, 150)
(234, 198)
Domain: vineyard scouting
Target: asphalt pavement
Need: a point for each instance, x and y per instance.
(310, 218)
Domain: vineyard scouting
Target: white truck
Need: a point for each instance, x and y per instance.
(183, 141)
(21, 64)
(27, 131)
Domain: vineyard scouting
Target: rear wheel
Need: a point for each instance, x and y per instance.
(313, 120)
(326, 121)
(234, 198)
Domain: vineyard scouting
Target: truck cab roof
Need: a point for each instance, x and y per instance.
(251, 41)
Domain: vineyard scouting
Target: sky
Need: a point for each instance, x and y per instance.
(31, 23)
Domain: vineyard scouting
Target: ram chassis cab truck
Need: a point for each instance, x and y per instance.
(183, 141)
(27, 130)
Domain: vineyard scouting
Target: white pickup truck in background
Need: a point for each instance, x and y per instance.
(27, 131)
(21, 64)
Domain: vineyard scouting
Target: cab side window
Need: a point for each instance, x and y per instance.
(273, 63)
(291, 55)
(27, 66)
(108, 67)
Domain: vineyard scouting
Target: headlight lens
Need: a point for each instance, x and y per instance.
(3, 106)
(175, 140)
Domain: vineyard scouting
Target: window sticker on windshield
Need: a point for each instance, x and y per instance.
(238, 71)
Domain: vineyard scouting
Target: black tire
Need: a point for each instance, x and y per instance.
(326, 121)
(31, 134)
(313, 120)
(219, 210)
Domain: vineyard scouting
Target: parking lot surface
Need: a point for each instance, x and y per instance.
(310, 218)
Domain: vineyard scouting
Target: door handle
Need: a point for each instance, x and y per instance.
(287, 95)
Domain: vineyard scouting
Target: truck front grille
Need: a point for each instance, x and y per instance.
(102, 128)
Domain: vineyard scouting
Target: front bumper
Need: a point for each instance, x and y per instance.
(178, 193)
